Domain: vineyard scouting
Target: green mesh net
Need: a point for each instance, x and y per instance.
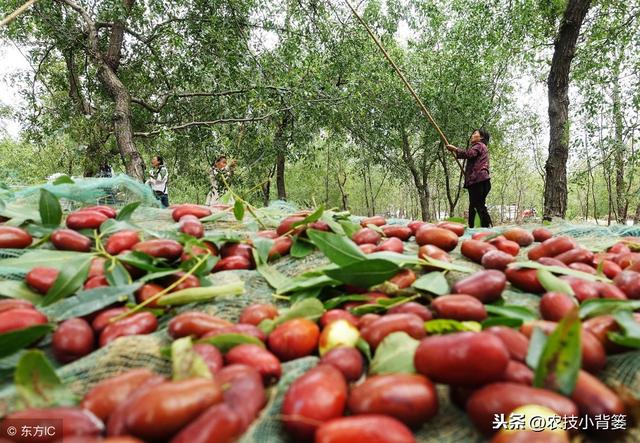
(22, 203)
(450, 425)
(117, 190)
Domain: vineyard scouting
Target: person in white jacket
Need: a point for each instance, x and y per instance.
(219, 170)
(159, 180)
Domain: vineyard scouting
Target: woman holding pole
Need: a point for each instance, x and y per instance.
(476, 175)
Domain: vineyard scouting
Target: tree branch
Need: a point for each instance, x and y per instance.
(100, 25)
(152, 35)
(157, 108)
(210, 123)
(75, 89)
(92, 32)
(9, 18)
(146, 42)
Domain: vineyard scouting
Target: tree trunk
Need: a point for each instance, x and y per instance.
(459, 188)
(424, 205)
(371, 194)
(447, 184)
(343, 193)
(116, 38)
(280, 183)
(619, 153)
(106, 66)
(266, 192)
(636, 216)
(610, 197)
(425, 179)
(266, 187)
(123, 131)
(439, 201)
(93, 155)
(452, 197)
(555, 186)
(280, 141)
(436, 204)
(326, 180)
(366, 194)
(518, 215)
(107, 74)
(423, 197)
(591, 188)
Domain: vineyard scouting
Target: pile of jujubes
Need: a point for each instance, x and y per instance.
(338, 400)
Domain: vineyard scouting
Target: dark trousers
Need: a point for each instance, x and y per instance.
(477, 203)
(164, 199)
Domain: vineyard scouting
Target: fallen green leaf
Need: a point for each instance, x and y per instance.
(309, 308)
(446, 326)
(314, 216)
(63, 180)
(111, 226)
(275, 278)
(307, 280)
(364, 347)
(335, 302)
(43, 257)
(187, 363)
(561, 357)
(142, 261)
(126, 212)
(433, 282)
(50, 210)
(364, 273)
(200, 294)
(502, 321)
(301, 247)
(551, 283)
(401, 260)
(203, 269)
(511, 311)
(116, 274)
(536, 345)
(603, 306)
(394, 355)
(69, 280)
(238, 210)
(13, 341)
(560, 270)
(214, 217)
(38, 385)
(340, 250)
(18, 289)
(630, 336)
(225, 342)
(446, 266)
(88, 302)
(348, 227)
(262, 247)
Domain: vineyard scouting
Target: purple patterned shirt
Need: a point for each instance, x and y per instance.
(477, 168)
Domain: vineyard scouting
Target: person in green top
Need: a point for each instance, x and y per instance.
(159, 180)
